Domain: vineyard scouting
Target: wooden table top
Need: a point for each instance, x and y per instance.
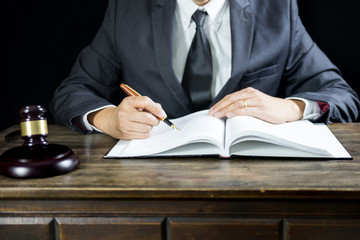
(188, 178)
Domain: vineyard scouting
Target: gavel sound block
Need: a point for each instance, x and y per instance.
(36, 158)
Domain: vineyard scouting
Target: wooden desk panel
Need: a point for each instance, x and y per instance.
(184, 198)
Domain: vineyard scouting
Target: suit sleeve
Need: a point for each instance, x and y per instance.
(94, 79)
(309, 74)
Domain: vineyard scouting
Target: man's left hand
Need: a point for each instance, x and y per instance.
(251, 102)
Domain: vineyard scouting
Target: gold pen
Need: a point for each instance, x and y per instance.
(131, 92)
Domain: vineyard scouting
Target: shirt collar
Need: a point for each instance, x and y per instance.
(214, 8)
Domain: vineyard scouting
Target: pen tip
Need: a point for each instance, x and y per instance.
(174, 127)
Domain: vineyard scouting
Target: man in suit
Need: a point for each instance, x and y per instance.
(264, 64)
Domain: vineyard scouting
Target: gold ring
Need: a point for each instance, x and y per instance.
(245, 103)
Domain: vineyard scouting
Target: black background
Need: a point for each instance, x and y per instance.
(43, 37)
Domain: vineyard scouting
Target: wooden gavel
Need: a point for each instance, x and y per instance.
(36, 157)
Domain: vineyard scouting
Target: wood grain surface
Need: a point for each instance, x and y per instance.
(188, 178)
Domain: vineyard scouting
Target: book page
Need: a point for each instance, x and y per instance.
(300, 135)
(332, 144)
(198, 127)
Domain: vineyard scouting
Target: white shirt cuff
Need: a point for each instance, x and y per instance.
(312, 110)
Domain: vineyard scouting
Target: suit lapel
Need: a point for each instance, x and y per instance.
(162, 16)
(242, 30)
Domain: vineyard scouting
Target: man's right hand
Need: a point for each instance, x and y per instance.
(132, 119)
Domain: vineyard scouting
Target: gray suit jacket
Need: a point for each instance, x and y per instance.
(271, 51)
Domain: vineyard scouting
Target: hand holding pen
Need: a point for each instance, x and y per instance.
(131, 92)
(125, 121)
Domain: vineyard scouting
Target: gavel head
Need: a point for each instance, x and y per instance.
(33, 124)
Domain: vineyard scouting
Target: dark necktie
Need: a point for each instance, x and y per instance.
(198, 69)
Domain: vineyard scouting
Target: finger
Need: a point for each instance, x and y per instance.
(145, 103)
(225, 102)
(235, 99)
(135, 127)
(144, 118)
(136, 121)
(239, 104)
(258, 112)
(241, 94)
(249, 111)
(133, 135)
(129, 129)
(139, 136)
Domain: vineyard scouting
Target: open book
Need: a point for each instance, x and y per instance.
(201, 134)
